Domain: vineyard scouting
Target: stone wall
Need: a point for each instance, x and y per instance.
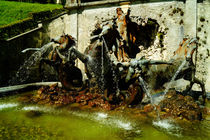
(203, 34)
(176, 19)
(162, 12)
(12, 58)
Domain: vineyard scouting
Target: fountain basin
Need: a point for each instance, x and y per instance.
(28, 121)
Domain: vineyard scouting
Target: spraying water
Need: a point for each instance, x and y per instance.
(102, 67)
(115, 81)
(145, 88)
(148, 94)
(175, 75)
(157, 100)
(113, 71)
(7, 105)
(24, 72)
(168, 126)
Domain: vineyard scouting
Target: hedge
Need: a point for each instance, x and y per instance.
(21, 26)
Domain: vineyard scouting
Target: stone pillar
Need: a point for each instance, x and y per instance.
(125, 6)
(70, 3)
(58, 1)
(190, 18)
(72, 24)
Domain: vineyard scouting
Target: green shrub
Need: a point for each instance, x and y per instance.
(11, 12)
(17, 18)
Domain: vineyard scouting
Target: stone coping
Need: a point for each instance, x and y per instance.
(71, 6)
(90, 4)
(14, 88)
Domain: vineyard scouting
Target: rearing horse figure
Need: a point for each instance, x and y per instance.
(57, 56)
(96, 58)
(186, 49)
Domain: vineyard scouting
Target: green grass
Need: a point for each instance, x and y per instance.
(12, 12)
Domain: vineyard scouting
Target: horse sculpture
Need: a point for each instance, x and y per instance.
(105, 70)
(96, 58)
(158, 75)
(110, 70)
(186, 49)
(57, 56)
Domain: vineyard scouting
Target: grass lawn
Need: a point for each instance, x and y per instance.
(11, 12)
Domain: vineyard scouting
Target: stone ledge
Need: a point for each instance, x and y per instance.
(90, 4)
(9, 89)
(71, 6)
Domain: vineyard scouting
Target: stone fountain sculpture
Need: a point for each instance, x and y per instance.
(111, 64)
(56, 56)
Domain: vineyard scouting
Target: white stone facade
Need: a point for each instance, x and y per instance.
(187, 20)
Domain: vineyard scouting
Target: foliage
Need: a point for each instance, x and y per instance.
(11, 12)
(17, 28)
(19, 17)
(34, 1)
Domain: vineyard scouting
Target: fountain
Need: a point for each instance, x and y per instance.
(111, 65)
(117, 79)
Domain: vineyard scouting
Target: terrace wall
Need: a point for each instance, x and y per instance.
(175, 18)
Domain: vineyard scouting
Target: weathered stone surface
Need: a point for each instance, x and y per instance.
(203, 53)
(148, 108)
(175, 22)
(55, 96)
(182, 107)
(173, 18)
